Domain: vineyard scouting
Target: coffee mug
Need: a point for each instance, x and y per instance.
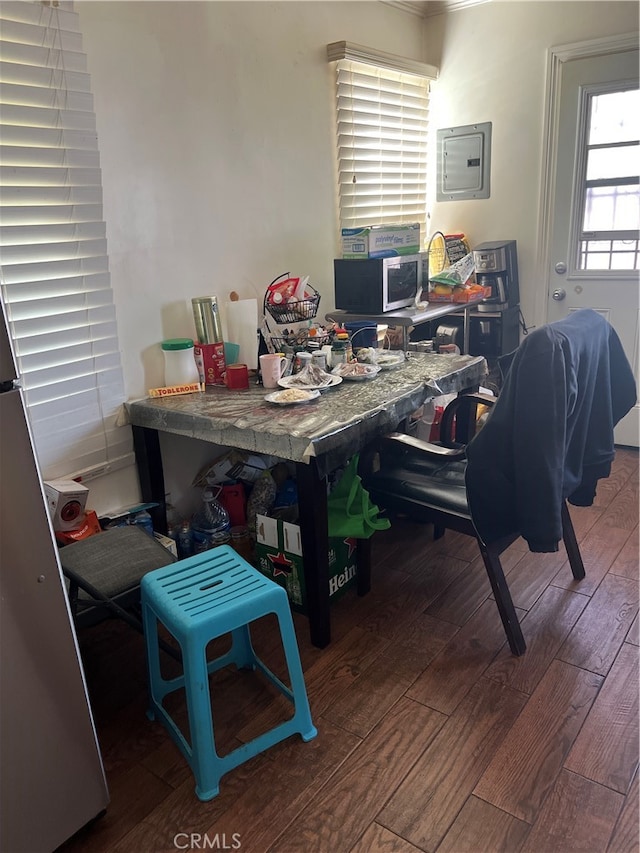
(237, 377)
(272, 368)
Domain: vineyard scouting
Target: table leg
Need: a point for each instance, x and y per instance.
(146, 445)
(312, 504)
(465, 331)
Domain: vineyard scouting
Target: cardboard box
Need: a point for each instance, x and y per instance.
(66, 501)
(167, 542)
(279, 555)
(381, 241)
(211, 363)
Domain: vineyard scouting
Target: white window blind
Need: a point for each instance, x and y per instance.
(382, 127)
(54, 264)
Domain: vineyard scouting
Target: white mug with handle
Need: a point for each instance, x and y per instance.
(272, 368)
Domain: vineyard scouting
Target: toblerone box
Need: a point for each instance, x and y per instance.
(279, 556)
(381, 241)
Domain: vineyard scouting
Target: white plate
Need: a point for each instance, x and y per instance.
(277, 397)
(391, 362)
(287, 382)
(369, 371)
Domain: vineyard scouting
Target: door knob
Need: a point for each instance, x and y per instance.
(560, 268)
(559, 294)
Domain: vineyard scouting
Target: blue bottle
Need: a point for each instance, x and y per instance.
(144, 520)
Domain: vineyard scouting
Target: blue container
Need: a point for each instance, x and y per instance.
(363, 333)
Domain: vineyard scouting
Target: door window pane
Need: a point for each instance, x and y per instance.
(615, 117)
(612, 208)
(614, 162)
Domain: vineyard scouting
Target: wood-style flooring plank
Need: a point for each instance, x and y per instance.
(545, 628)
(584, 518)
(281, 792)
(623, 465)
(623, 510)
(482, 827)
(626, 835)
(462, 597)
(627, 563)
(395, 614)
(326, 679)
(578, 815)
(343, 809)
(532, 574)
(523, 770)
(446, 681)
(377, 839)
(600, 631)
(134, 795)
(433, 792)
(606, 750)
(633, 634)
(363, 704)
(598, 554)
(183, 812)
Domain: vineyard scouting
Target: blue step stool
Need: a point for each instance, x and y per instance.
(198, 599)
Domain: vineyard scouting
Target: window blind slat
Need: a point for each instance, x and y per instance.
(44, 214)
(64, 141)
(41, 76)
(17, 235)
(55, 270)
(41, 97)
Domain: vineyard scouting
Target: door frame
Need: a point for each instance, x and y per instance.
(556, 58)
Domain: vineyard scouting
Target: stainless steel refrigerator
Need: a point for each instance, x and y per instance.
(51, 776)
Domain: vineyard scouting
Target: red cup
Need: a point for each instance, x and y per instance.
(237, 377)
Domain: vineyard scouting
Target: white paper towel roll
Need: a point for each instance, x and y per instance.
(242, 329)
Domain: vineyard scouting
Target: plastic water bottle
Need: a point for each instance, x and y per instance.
(144, 520)
(185, 541)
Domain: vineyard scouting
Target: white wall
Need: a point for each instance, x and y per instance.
(492, 60)
(215, 125)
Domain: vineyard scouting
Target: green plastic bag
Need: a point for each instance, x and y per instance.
(350, 510)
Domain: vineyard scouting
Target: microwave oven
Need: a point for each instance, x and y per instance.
(377, 285)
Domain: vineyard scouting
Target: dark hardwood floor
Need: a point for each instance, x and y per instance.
(431, 735)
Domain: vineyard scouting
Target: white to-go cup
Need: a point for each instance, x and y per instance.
(179, 362)
(272, 367)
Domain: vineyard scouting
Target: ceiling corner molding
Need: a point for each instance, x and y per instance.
(357, 53)
(411, 7)
(438, 7)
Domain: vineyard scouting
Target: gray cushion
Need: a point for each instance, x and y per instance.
(115, 560)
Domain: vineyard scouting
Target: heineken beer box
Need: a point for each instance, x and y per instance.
(279, 555)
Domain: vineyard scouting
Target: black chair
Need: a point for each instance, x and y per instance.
(548, 439)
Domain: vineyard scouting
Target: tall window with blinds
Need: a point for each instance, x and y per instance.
(382, 127)
(54, 264)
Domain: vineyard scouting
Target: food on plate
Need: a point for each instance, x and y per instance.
(355, 370)
(311, 375)
(293, 395)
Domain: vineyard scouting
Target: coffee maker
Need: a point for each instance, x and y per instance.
(497, 268)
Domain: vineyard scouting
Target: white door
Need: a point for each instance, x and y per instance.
(594, 204)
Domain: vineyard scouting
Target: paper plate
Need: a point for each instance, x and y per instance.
(287, 382)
